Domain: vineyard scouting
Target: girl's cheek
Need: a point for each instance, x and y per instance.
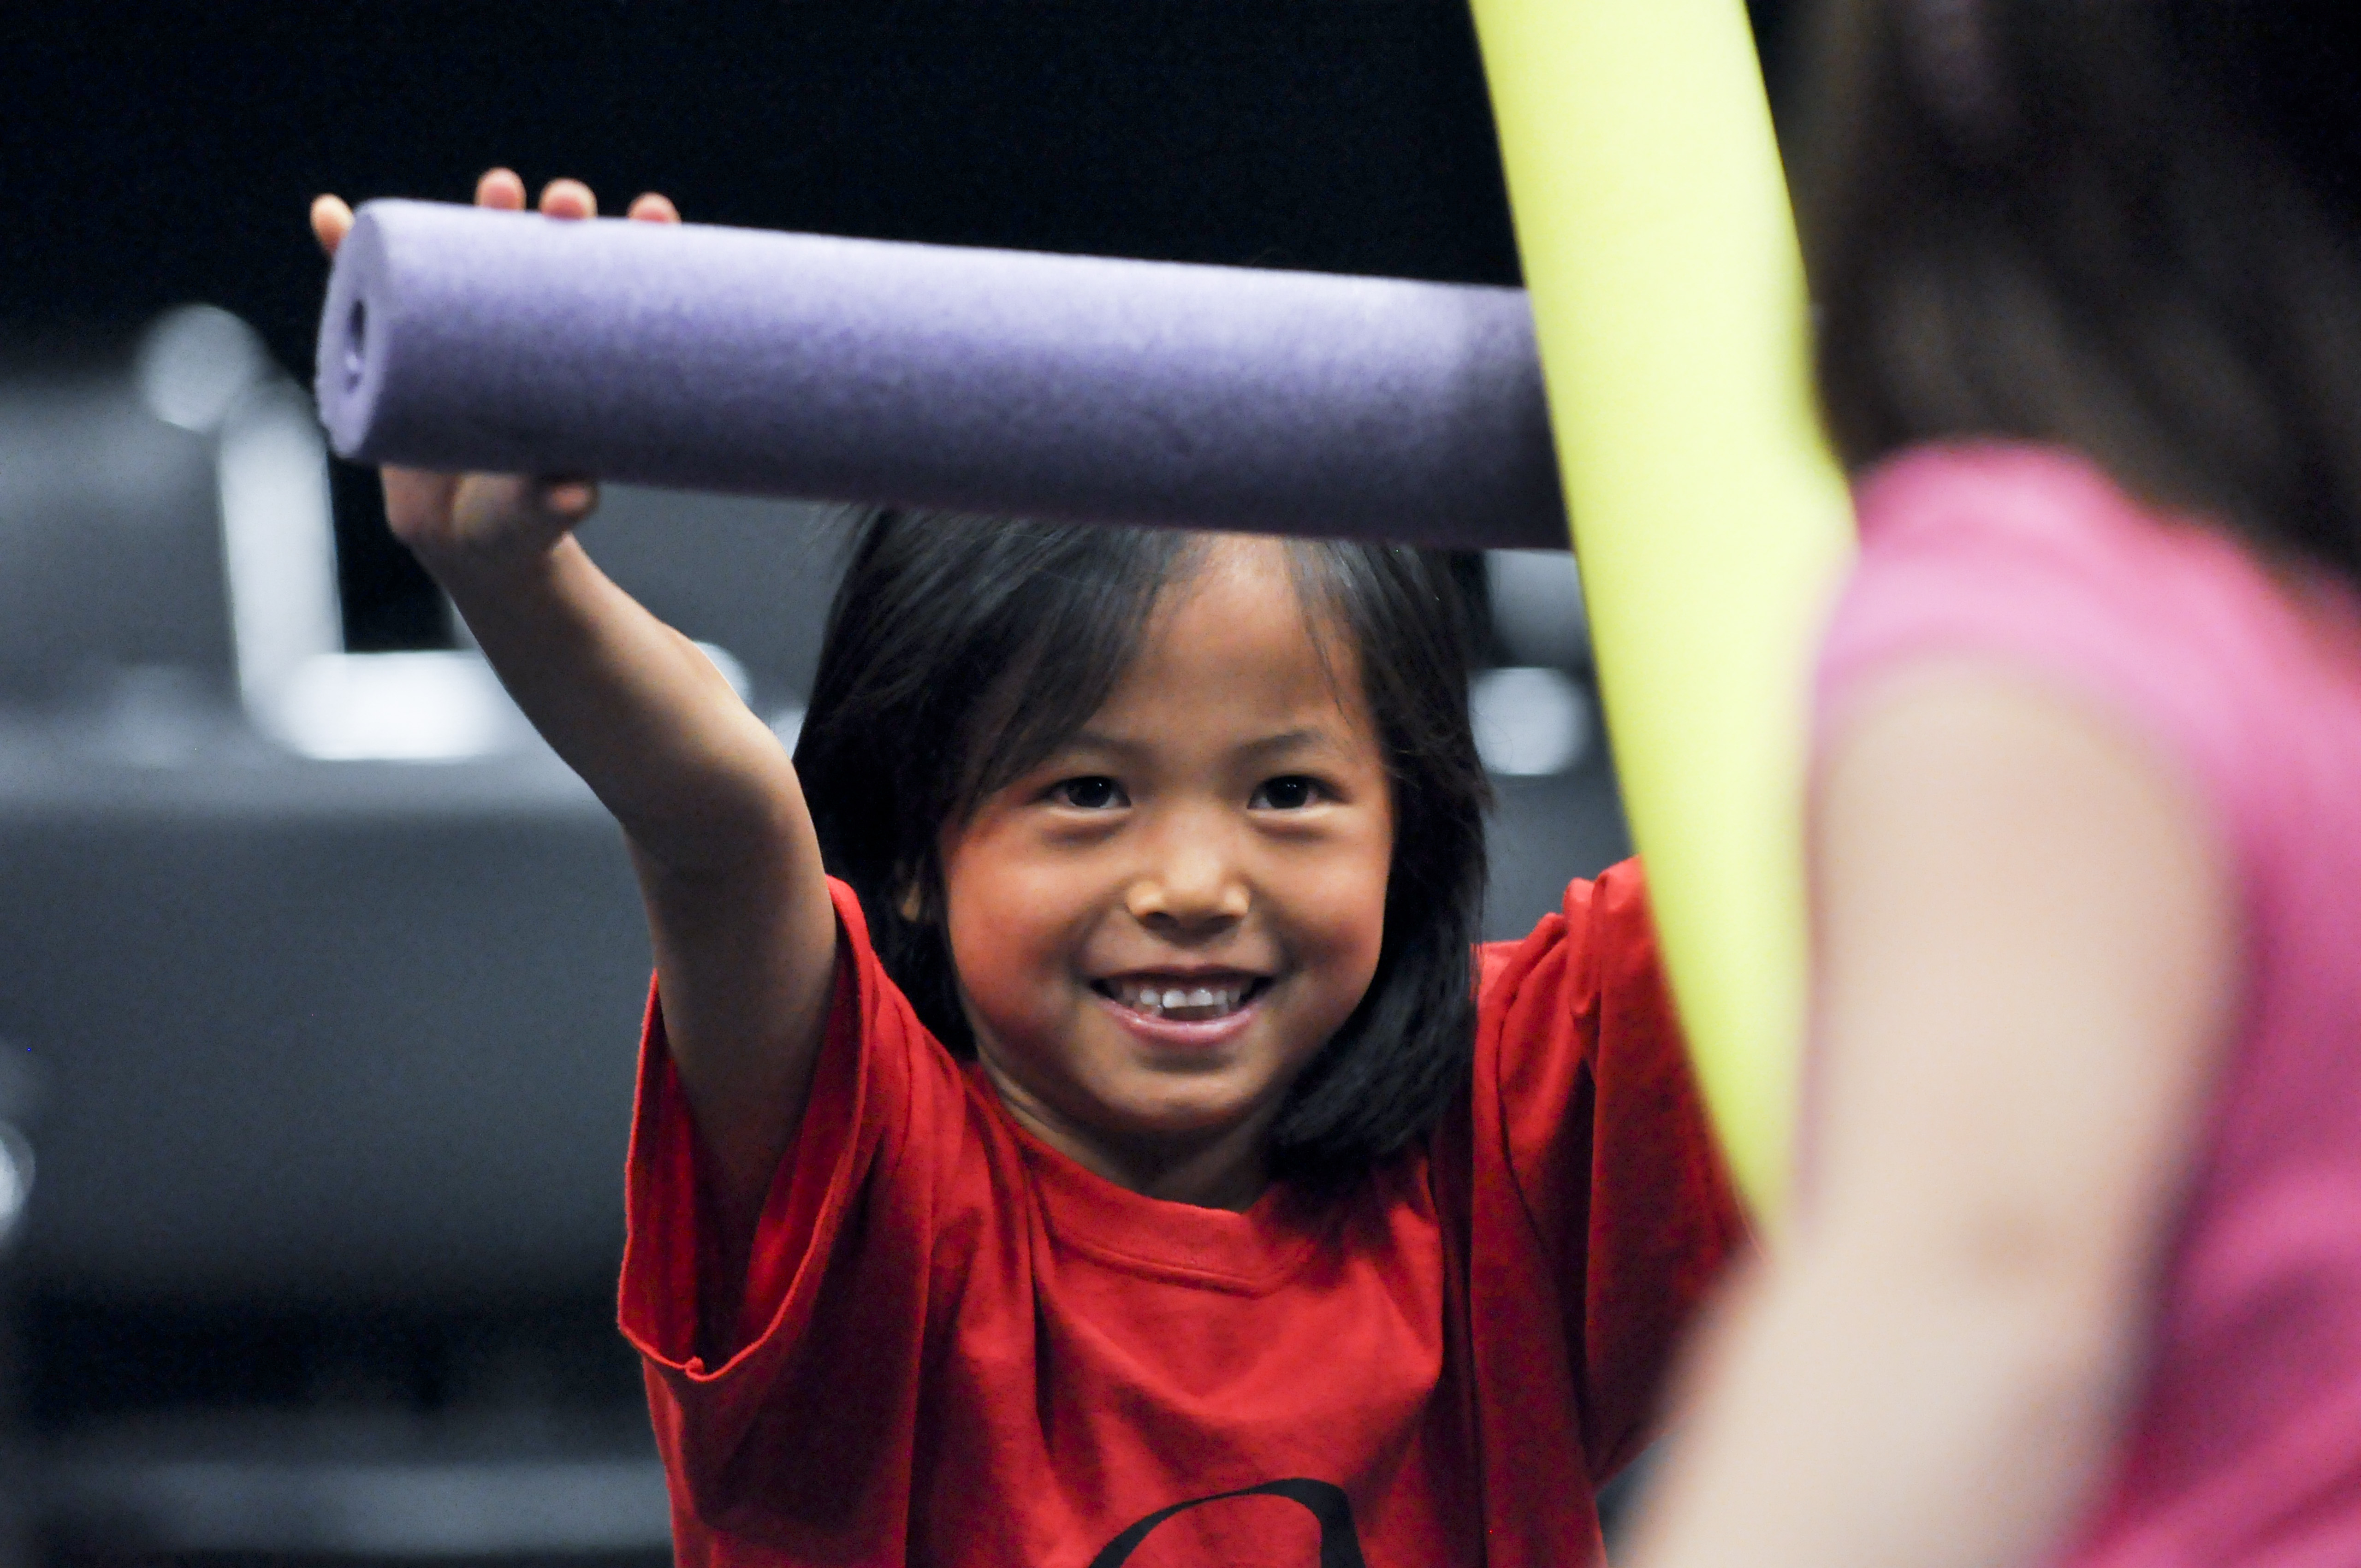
(1001, 975)
(1010, 916)
(1353, 906)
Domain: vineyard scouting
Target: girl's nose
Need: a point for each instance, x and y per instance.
(1190, 884)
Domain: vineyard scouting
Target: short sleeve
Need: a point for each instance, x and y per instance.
(1607, 1143)
(2031, 560)
(802, 1439)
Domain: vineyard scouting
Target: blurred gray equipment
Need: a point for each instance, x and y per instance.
(1534, 715)
(20, 1102)
(19, 1086)
(1537, 612)
(1536, 719)
(342, 994)
(101, 570)
(339, 972)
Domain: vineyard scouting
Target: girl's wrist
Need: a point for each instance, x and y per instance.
(504, 582)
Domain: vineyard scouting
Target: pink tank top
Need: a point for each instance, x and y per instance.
(2245, 1448)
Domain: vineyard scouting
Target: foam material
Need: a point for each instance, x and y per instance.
(862, 370)
(1714, 523)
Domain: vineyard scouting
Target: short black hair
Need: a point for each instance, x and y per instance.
(2128, 226)
(962, 650)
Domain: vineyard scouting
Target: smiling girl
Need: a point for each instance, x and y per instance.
(1127, 1154)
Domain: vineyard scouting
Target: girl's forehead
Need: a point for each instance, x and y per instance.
(1240, 633)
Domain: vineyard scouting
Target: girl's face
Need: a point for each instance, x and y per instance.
(1156, 928)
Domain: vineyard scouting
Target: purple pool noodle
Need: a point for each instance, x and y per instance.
(986, 380)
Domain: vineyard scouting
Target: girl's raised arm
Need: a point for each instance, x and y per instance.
(729, 865)
(2026, 966)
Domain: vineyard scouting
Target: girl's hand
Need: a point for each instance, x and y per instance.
(479, 526)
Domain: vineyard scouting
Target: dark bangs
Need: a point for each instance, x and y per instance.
(2127, 226)
(960, 651)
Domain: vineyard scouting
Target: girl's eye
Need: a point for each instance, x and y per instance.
(1095, 792)
(1292, 792)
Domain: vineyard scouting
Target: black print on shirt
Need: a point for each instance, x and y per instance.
(1340, 1545)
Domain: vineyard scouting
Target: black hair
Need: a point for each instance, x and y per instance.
(2127, 226)
(963, 650)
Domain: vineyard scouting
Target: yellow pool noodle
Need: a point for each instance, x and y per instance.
(1710, 521)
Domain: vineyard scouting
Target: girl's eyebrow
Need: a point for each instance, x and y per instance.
(1310, 737)
(1098, 740)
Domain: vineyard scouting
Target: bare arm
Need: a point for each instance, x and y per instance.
(2027, 963)
(728, 863)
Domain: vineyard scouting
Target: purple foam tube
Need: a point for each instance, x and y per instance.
(984, 381)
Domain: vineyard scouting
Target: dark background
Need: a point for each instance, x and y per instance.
(162, 154)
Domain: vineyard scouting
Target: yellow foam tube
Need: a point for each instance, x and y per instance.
(1709, 519)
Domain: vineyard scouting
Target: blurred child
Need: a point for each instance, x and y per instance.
(1132, 1154)
(2076, 1276)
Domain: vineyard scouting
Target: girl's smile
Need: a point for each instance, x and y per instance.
(1204, 997)
(1158, 928)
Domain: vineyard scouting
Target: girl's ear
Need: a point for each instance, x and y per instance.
(912, 885)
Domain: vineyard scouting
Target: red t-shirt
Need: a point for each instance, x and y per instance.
(959, 1347)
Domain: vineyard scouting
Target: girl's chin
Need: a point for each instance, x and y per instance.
(1168, 1113)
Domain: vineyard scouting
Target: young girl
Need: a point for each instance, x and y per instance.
(1125, 1161)
(2077, 1274)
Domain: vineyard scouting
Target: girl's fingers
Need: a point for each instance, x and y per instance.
(569, 498)
(568, 199)
(331, 217)
(503, 189)
(654, 207)
(486, 518)
(331, 220)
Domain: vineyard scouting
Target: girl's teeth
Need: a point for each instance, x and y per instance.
(1157, 1001)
